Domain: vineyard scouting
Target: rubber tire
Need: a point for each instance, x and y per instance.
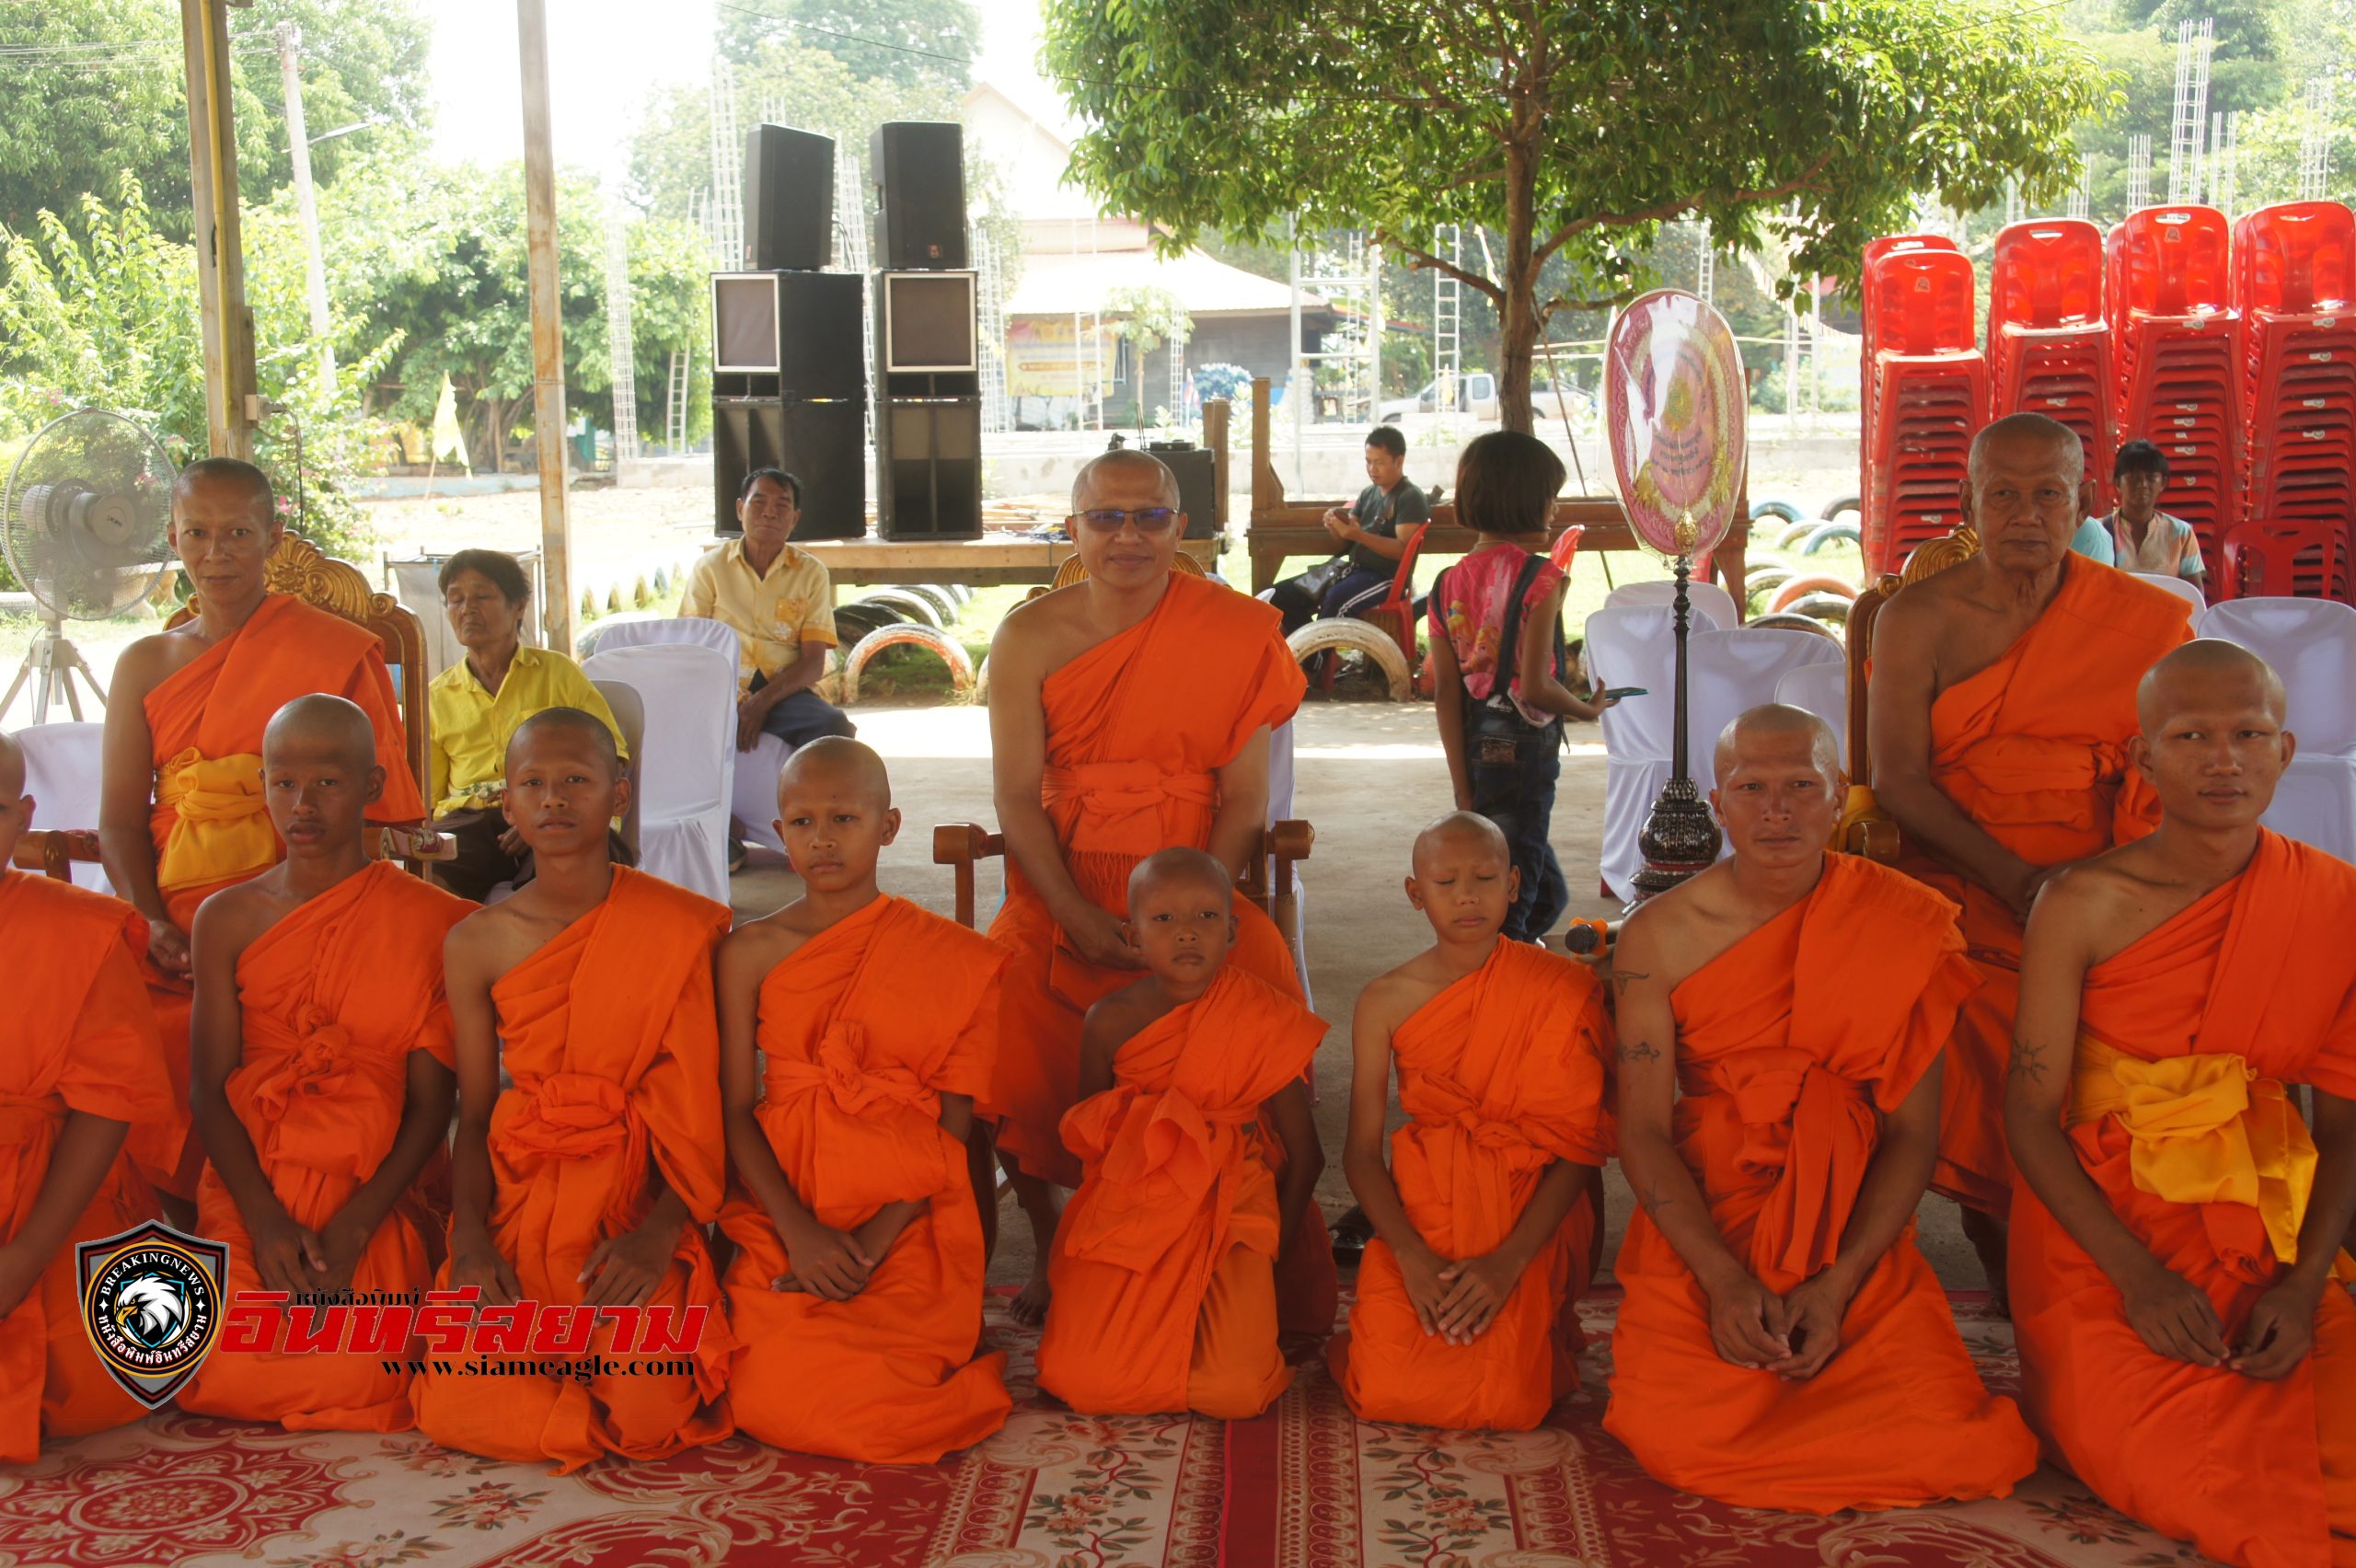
(946, 606)
(1799, 588)
(1776, 506)
(1825, 533)
(1821, 607)
(953, 653)
(1333, 634)
(911, 605)
(1834, 509)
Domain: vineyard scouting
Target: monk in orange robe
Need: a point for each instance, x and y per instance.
(856, 1292)
(2184, 1348)
(1129, 712)
(2002, 701)
(181, 815)
(82, 1066)
(323, 1077)
(1199, 1157)
(1485, 1215)
(588, 1182)
(1784, 1344)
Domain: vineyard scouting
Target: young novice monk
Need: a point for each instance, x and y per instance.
(589, 1182)
(1483, 1218)
(1782, 1016)
(856, 1291)
(1199, 1157)
(321, 1074)
(2184, 1347)
(82, 1063)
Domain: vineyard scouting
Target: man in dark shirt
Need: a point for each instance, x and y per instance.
(1374, 528)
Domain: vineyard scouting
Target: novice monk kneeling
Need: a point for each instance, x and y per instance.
(1197, 1156)
(856, 1292)
(587, 1184)
(2184, 1347)
(1782, 1016)
(82, 1063)
(322, 1074)
(1482, 1220)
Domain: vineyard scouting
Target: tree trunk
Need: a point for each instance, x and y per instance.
(495, 434)
(1518, 320)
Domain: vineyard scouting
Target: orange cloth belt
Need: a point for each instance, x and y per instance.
(578, 1116)
(1813, 1133)
(221, 829)
(1165, 1155)
(842, 1069)
(1120, 804)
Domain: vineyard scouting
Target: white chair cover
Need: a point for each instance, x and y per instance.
(1821, 689)
(1706, 598)
(62, 771)
(689, 770)
(1635, 645)
(2182, 587)
(752, 800)
(1729, 672)
(2311, 645)
(640, 633)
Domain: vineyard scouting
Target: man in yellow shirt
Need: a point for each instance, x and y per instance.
(475, 708)
(780, 604)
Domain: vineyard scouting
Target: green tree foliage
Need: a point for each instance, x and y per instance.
(2258, 47)
(912, 43)
(1573, 132)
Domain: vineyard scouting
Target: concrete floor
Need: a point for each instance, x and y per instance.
(1369, 774)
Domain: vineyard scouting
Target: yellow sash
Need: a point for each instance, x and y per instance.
(2205, 1129)
(221, 828)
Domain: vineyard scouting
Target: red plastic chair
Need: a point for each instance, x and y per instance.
(2306, 560)
(2047, 272)
(2295, 259)
(2169, 262)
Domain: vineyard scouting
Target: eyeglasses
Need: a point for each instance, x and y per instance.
(1148, 519)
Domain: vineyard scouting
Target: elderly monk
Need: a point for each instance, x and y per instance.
(2002, 702)
(322, 1078)
(855, 1032)
(2183, 1347)
(1467, 1309)
(82, 1063)
(1784, 1344)
(1129, 713)
(586, 1182)
(181, 814)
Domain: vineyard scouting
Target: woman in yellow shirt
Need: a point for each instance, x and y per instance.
(475, 706)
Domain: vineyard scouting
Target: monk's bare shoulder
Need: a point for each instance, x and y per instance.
(758, 946)
(1035, 631)
(1119, 1015)
(492, 940)
(1392, 997)
(1678, 933)
(2099, 908)
(144, 665)
(1922, 610)
(231, 920)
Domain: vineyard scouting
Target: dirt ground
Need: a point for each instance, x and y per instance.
(1369, 776)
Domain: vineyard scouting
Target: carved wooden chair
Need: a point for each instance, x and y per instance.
(299, 568)
(1868, 831)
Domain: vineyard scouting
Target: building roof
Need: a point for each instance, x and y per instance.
(1059, 285)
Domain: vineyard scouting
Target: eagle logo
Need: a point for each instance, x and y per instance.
(151, 1300)
(152, 1309)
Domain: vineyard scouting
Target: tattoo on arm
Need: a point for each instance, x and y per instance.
(2028, 1061)
(1640, 1051)
(1650, 1195)
(1621, 977)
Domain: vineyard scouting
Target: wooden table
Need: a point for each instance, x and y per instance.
(990, 561)
(1296, 531)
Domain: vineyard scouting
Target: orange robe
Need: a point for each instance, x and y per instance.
(862, 1030)
(609, 1035)
(1137, 728)
(1500, 1075)
(1788, 1051)
(211, 831)
(80, 1038)
(2034, 750)
(332, 999)
(1164, 1267)
(2246, 991)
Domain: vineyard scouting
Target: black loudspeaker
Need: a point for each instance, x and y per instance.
(918, 167)
(1198, 484)
(789, 199)
(822, 444)
(800, 331)
(928, 469)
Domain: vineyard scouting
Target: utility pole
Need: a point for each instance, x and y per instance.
(232, 398)
(557, 607)
(315, 266)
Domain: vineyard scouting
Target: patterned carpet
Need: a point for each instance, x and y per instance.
(1303, 1487)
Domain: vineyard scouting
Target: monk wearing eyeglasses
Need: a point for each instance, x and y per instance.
(1129, 713)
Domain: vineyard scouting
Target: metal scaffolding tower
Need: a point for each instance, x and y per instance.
(2082, 195)
(851, 256)
(1347, 271)
(2194, 44)
(675, 411)
(2138, 171)
(1706, 282)
(2011, 199)
(726, 223)
(2224, 156)
(2314, 144)
(622, 361)
(991, 288)
(1448, 317)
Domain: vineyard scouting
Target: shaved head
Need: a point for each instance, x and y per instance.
(1179, 868)
(2192, 672)
(11, 767)
(839, 758)
(1775, 720)
(571, 722)
(320, 719)
(2028, 429)
(1460, 827)
(1127, 459)
(232, 473)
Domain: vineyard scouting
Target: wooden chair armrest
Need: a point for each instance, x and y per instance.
(52, 851)
(1291, 840)
(415, 843)
(958, 844)
(1876, 837)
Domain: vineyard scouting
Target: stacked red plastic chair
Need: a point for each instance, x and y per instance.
(2049, 344)
(1925, 385)
(2294, 283)
(2178, 340)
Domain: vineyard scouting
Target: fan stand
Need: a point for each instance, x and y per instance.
(52, 664)
(1679, 836)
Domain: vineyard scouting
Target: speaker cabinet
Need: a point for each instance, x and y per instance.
(788, 334)
(928, 469)
(789, 199)
(1198, 487)
(918, 167)
(824, 444)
